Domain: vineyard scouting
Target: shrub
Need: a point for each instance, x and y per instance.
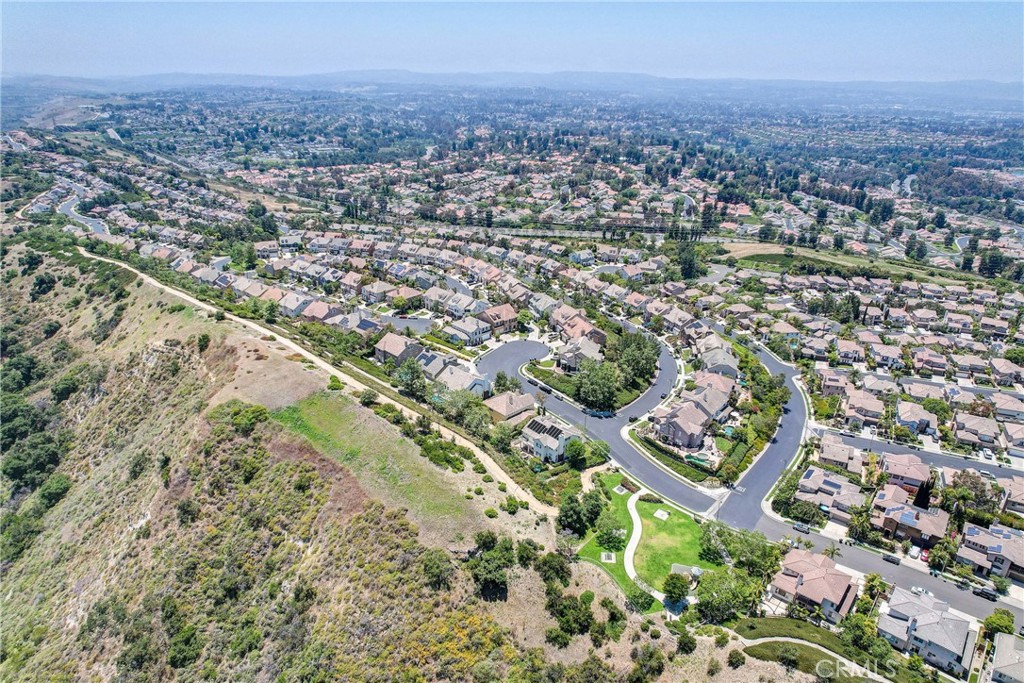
(53, 490)
(203, 342)
(789, 657)
(639, 599)
(491, 512)
(557, 637)
(714, 667)
(368, 397)
(651, 498)
(722, 639)
(686, 643)
(188, 511)
(334, 384)
(437, 567)
(553, 568)
(736, 659)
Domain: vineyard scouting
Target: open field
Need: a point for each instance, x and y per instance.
(758, 255)
(809, 660)
(675, 540)
(390, 467)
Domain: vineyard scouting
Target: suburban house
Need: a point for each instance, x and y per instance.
(830, 492)
(395, 348)
(996, 551)
(375, 292)
(1004, 372)
(1007, 659)
(836, 453)
(1008, 407)
(467, 331)
(812, 581)
(509, 405)
(924, 625)
(461, 305)
(980, 432)
(720, 361)
(458, 378)
(894, 515)
(862, 408)
(575, 352)
(906, 471)
(545, 437)
(683, 423)
(915, 418)
(502, 319)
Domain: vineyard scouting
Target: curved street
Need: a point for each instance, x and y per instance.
(741, 507)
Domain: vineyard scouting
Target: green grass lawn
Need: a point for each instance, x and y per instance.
(794, 628)
(664, 542)
(385, 463)
(808, 660)
(591, 551)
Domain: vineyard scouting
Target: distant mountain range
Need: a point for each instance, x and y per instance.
(970, 93)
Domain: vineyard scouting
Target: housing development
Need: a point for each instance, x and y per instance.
(689, 382)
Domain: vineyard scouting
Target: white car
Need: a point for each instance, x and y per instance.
(917, 590)
(914, 553)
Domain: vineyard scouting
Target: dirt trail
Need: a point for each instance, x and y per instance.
(348, 377)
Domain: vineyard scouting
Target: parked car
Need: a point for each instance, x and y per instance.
(632, 418)
(918, 590)
(532, 381)
(914, 553)
(664, 395)
(986, 592)
(924, 555)
(802, 528)
(891, 558)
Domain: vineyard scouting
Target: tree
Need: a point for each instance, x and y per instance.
(689, 267)
(597, 384)
(874, 585)
(503, 383)
(553, 568)
(411, 380)
(523, 319)
(502, 435)
(789, 657)
(437, 567)
(609, 531)
(572, 517)
(686, 643)
(1000, 621)
(832, 551)
(676, 587)
(202, 342)
(576, 454)
(722, 593)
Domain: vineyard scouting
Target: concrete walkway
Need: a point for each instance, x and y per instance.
(349, 378)
(852, 668)
(634, 541)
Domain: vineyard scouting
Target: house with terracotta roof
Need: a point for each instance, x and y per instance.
(813, 581)
(502, 319)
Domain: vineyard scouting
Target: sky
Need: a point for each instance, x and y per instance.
(832, 41)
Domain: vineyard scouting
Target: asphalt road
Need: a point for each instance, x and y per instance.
(742, 507)
(67, 207)
(510, 357)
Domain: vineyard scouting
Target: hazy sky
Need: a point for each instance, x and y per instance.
(802, 40)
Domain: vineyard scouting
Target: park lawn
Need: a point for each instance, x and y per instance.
(663, 543)
(591, 551)
(555, 380)
(808, 660)
(753, 629)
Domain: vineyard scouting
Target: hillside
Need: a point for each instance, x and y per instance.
(185, 501)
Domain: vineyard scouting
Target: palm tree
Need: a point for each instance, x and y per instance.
(832, 551)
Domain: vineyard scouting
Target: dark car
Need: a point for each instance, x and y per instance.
(891, 558)
(545, 388)
(664, 395)
(986, 592)
(632, 418)
(532, 381)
